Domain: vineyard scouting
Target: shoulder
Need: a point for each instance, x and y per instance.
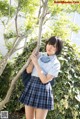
(56, 61)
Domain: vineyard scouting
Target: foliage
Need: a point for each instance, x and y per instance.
(10, 71)
(63, 27)
(57, 20)
(5, 80)
(66, 89)
(29, 24)
(9, 35)
(4, 8)
(0, 56)
(29, 6)
(58, 8)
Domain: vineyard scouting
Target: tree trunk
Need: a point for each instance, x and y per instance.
(14, 80)
(4, 61)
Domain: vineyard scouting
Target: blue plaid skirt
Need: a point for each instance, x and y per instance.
(37, 94)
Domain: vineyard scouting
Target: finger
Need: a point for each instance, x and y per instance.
(34, 50)
(33, 53)
(32, 56)
(36, 53)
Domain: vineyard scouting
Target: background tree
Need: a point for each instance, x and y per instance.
(9, 92)
(57, 22)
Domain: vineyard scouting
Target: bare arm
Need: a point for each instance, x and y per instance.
(44, 79)
(30, 67)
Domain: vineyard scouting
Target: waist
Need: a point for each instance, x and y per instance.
(34, 75)
(37, 79)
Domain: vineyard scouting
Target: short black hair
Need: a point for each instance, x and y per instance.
(55, 40)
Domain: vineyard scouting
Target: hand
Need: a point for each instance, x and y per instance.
(35, 53)
(34, 58)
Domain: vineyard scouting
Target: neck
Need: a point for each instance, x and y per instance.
(50, 55)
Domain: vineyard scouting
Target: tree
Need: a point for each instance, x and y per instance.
(2, 103)
(55, 15)
(53, 11)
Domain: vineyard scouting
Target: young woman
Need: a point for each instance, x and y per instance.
(38, 96)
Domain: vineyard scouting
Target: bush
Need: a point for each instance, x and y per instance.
(66, 89)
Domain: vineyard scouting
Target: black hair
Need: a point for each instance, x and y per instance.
(55, 40)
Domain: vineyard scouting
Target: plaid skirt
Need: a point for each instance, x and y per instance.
(37, 94)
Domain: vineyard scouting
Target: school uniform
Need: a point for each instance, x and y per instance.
(37, 94)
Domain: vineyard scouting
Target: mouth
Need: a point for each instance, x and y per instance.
(48, 50)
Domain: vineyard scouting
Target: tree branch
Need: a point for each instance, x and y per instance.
(41, 23)
(16, 26)
(3, 62)
(24, 46)
(9, 9)
(20, 47)
(43, 1)
(40, 9)
(14, 80)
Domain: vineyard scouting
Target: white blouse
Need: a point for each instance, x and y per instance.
(52, 67)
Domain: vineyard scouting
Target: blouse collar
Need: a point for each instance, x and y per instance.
(50, 56)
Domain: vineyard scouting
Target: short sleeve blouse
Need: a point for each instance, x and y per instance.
(52, 67)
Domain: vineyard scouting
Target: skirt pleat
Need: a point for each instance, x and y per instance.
(37, 94)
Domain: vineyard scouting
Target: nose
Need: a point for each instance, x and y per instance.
(50, 46)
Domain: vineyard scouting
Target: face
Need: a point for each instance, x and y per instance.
(50, 49)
